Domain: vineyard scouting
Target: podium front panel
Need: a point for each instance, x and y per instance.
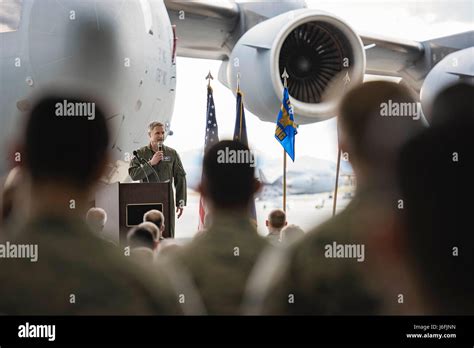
(140, 196)
(135, 212)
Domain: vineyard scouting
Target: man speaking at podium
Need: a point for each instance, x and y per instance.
(158, 163)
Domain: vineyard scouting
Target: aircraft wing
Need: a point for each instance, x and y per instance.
(203, 27)
(389, 56)
(409, 59)
(323, 55)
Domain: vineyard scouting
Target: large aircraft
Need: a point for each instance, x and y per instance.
(124, 51)
(309, 175)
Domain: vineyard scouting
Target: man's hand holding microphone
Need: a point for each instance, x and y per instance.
(158, 156)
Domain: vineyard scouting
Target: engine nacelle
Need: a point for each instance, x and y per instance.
(323, 56)
(455, 67)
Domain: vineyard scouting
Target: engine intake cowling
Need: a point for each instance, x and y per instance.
(323, 56)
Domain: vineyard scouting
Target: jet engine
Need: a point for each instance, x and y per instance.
(455, 67)
(322, 55)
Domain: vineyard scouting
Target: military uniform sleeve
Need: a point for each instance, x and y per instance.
(179, 176)
(137, 173)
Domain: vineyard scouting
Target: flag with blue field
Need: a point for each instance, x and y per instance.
(285, 132)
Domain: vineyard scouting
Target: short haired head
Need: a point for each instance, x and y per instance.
(153, 125)
(453, 104)
(277, 219)
(156, 217)
(369, 130)
(65, 140)
(156, 132)
(435, 172)
(225, 183)
(96, 218)
(141, 237)
(152, 228)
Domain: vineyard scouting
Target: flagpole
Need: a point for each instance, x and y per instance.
(285, 84)
(346, 80)
(202, 203)
(284, 180)
(241, 106)
(337, 180)
(209, 78)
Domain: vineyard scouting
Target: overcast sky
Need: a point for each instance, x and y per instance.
(417, 20)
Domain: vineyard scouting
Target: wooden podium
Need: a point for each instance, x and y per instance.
(126, 204)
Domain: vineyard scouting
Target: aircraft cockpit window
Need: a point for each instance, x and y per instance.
(10, 15)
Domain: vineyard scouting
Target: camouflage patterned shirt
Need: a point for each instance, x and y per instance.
(77, 273)
(220, 261)
(319, 281)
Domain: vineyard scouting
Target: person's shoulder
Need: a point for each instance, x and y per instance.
(143, 149)
(312, 244)
(336, 226)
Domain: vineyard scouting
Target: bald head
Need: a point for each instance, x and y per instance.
(96, 218)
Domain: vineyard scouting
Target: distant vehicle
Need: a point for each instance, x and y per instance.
(308, 175)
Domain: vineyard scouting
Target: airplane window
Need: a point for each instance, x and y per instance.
(10, 15)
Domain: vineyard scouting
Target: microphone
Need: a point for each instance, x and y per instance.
(160, 146)
(141, 165)
(142, 160)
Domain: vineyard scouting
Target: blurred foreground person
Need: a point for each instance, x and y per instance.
(453, 104)
(436, 178)
(142, 242)
(220, 260)
(167, 247)
(291, 234)
(60, 266)
(11, 210)
(332, 270)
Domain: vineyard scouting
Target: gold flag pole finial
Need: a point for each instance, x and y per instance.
(285, 78)
(209, 78)
(238, 81)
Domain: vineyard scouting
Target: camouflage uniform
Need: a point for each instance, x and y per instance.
(78, 273)
(313, 284)
(170, 168)
(220, 260)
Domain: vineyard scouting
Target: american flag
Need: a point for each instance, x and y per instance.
(212, 137)
(240, 134)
